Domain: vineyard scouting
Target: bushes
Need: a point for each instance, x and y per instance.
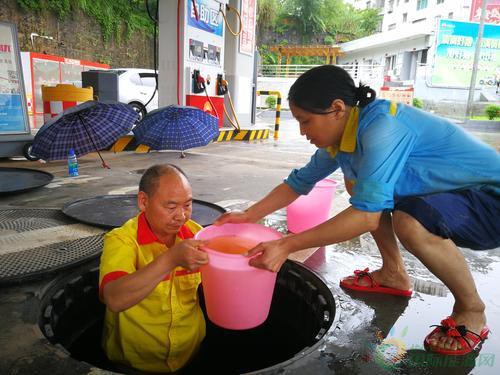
(271, 102)
(418, 103)
(492, 111)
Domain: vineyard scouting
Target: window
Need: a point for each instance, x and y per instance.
(405, 17)
(423, 57)
(390, 6)
(450, 15)
(440, 1)
(390, 63)
(392, 26)
(421, 4)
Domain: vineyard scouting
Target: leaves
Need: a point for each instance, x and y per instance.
(116, 18)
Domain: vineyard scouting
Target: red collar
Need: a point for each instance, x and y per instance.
(146, 236)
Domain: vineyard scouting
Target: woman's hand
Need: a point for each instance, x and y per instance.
(235, 217)
(273, 255)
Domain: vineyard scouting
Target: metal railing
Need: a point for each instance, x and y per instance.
(365, 73)
(290, 71)
(278, 109)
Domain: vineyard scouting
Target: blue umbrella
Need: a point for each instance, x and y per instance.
(87, 127)
(176, 128)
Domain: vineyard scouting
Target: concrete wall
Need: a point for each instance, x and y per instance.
(77, 37)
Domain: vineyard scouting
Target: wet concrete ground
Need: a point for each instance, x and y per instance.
(372, 333)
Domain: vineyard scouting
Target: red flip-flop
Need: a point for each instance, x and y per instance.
(374, 287)
(461, 333)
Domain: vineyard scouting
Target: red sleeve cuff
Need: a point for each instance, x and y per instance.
(110, 277)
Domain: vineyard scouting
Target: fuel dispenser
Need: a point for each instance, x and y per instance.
(191, 49)
(196, 37)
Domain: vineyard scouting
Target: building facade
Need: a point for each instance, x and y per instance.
(405, 46)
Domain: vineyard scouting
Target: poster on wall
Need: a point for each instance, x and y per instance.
(247, 36)
(454, 54)
(209, 17)
(13, 115)
(492, 11)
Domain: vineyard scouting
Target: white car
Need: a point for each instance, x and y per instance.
(136, 86)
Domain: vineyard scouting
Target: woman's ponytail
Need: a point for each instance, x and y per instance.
(365, 95)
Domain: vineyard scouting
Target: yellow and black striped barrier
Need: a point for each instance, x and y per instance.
(278, 110)
(128, 143)
(242, 135)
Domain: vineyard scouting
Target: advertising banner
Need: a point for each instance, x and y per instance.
(247, 36)
(13, 116)
(454, 54)
(209, 17)
(492, 11)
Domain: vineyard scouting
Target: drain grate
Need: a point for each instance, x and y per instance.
(37, 242)
(22, 220)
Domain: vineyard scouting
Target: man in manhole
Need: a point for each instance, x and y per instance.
(149, 279)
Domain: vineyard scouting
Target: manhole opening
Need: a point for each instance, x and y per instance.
(302, 311)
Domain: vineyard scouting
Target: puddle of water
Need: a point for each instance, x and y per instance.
(384, 334)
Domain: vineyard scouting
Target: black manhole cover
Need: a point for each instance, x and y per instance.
(18, 180)
(302, 312)
(37, 242)
(112, 211)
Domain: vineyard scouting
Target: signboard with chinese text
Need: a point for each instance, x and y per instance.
(209, 17)
(247, 36)
(13, 112)
(492, 11)
(454, 54)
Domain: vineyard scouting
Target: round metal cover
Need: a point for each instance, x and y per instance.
(35, 243)
(112, 211)
(18, 180)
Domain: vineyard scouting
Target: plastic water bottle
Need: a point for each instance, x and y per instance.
(72, 163)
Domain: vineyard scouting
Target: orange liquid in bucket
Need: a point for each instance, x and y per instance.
(231, 244)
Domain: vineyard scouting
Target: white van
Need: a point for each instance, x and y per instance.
(136, 87)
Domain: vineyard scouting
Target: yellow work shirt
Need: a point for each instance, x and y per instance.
(163, 331)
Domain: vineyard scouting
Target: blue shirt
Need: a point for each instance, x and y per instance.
(400, 151)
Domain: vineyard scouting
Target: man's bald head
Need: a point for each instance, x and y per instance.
(151, 177)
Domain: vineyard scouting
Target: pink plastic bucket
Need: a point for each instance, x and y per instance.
(237, 296)
(312, 209)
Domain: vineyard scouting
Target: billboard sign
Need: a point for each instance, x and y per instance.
(454, 54)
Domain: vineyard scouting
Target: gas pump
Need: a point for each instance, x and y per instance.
(191, 54)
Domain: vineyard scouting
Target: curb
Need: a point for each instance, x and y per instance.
(242, 135)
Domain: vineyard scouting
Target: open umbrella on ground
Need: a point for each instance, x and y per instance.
(87, 127)
(176, 128)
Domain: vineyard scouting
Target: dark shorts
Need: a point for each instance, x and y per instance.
(470, 218)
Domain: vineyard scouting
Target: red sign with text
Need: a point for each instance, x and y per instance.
(492, 11)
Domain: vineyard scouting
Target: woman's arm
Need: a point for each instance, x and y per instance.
(281, 196)
(348, 224)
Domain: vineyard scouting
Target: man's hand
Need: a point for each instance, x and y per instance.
(273, 255)
(188, 255)
(235, 217)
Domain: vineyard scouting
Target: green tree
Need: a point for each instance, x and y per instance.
(346, 22)
(267, 11)
(306, 14)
